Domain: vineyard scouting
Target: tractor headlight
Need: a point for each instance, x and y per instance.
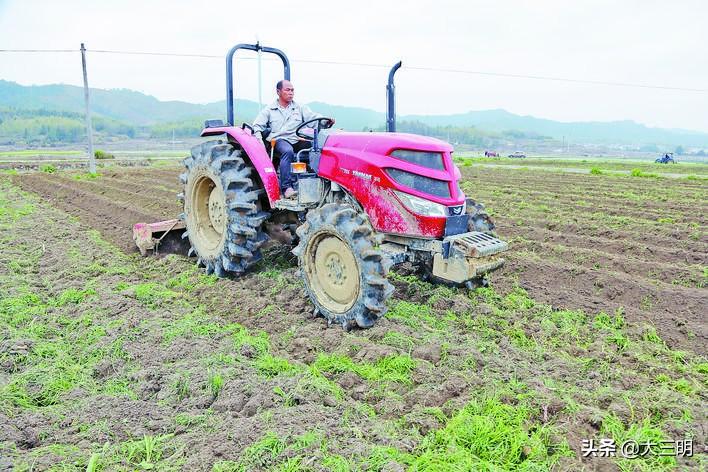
(420, 205)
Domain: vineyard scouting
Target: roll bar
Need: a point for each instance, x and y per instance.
(230, 76)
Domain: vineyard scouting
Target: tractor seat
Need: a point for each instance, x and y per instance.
(304, 155)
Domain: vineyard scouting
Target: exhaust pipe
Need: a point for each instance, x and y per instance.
(391, 99)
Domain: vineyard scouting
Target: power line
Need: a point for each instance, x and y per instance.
(170, 54)
(39, 50)
(560, 79)
(363, 64)
(513, 76)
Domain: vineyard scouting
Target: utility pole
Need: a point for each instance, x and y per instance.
(260, 83)
(89, 126)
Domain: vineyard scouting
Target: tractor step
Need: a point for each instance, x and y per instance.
(293, 204)
(289, 204)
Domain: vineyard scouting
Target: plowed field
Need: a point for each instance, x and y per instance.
(596, 328)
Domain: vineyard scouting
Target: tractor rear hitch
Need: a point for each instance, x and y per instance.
(149, 236)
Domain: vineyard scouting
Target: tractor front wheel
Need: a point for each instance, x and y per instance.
(479, 219)
(344, 274)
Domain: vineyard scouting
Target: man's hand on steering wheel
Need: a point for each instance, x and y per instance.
(322, 123)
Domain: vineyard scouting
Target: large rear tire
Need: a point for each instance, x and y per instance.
(344, 273)
(221, 209)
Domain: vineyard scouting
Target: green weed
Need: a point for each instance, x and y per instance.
(288, 397)
(99, 154)
(152, 294)
(393, 368)
(270, 365)
(488, 435)
(185, 419)
(636, 172)
(518, 299)
(215, 383)
(650, 335)
(181, 386)
(337, 463)
(148, 452)
(259, 341)
(642, 433)
(415, 315)
(195, 323)
(684, 386)
(72, 296)
(312, 380)
(604, 321)
(87, 176)
(264, 451)
(399, 340)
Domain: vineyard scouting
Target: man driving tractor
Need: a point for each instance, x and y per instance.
(283, 117)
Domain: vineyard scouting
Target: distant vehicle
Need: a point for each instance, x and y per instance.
(668, 157)
(517, 155)
(491, 154)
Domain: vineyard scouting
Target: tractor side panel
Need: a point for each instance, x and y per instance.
(360, 174)
(256, 153)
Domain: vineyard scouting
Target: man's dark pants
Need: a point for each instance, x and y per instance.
(287, 153)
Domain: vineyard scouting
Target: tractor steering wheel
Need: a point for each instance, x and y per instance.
(322, 123)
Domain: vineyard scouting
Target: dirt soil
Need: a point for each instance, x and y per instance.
(595, 328)
(654, 272)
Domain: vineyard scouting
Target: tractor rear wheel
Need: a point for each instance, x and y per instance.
(479, 219)
(221, 209)
(344, 275)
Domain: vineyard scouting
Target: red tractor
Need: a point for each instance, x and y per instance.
(366, 202)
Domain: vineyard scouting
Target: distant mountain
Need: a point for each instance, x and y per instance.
(612, 132)
(119, 104)
(138, 109)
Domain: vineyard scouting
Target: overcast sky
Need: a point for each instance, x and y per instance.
(646, 42)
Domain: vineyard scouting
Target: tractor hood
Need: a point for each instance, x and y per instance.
(383, 143)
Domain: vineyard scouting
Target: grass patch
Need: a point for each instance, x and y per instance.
(393, 368)
(100, 154)
(636, 172)
(215, 383)
(152, 294)
(642, 433)
(271, 366)
(415, 315)
(279, 453)
(87, 176)
(484, 435)
(73, 296)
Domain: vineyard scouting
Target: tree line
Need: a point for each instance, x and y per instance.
(46, 127)
(463, 134)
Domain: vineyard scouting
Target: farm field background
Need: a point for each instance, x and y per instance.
(594, 329)
(640, 168)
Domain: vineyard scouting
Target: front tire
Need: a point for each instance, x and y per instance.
(479, 219)
(221, 209)
(344, 273)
